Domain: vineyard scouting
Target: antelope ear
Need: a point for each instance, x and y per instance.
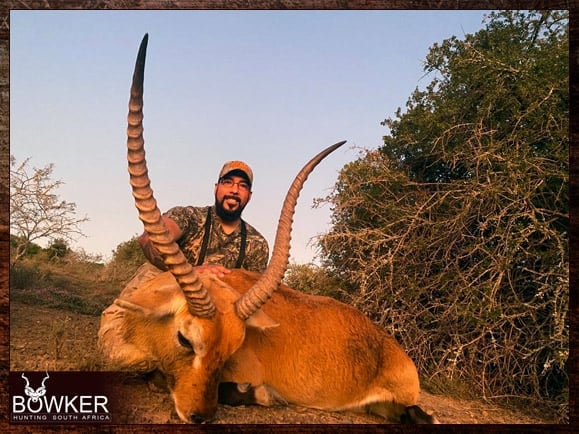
(152, 292)
(115, 342)
(261, 321)
(229, 294)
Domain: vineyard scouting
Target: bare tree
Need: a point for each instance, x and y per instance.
(36, 211)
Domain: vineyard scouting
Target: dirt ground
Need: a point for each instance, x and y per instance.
(48, 339)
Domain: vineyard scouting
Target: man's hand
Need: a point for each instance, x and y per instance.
(218, 270)
(150, 252)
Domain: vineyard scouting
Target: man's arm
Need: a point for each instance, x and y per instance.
(154, 257)
(150, 252)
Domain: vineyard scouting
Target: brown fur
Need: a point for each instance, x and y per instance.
(307, 350)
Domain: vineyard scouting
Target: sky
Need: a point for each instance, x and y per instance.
(271, 88)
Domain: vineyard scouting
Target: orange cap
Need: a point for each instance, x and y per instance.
(232, 166)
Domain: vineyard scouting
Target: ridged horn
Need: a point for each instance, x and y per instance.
(198, 299)
(267, 284)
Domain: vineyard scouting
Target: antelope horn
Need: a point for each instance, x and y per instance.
(267, 284)
(26, 379)
(198, 299)
(45, 378)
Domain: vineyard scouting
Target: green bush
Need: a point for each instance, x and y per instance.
(127, 258)
(313, 279)
(24, 276)
(454, 234)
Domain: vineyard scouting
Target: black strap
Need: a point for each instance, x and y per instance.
(207, 233)
(242, 246)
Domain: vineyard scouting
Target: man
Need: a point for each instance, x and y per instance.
(215, 238)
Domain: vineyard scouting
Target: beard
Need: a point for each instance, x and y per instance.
(225, 214)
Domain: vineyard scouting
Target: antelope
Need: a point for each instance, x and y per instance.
(246, 338)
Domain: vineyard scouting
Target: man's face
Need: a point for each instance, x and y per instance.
(232, 193)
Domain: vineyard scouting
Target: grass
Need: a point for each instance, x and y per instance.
(78, 288)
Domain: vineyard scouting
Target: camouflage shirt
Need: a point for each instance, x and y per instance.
(222, 248)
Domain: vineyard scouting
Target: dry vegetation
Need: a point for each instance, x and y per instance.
(454, 235)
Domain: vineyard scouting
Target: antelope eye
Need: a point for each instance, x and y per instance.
(184, 342)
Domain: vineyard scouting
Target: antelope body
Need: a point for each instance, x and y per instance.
(246, 337)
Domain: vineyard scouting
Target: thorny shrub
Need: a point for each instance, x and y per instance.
(470, 277)
(454, 234)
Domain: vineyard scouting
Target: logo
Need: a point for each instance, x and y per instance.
(67, 405)
(35, 395)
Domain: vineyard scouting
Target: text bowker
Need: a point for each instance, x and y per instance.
(61, 404)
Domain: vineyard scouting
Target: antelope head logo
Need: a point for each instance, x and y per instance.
(35, 394)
